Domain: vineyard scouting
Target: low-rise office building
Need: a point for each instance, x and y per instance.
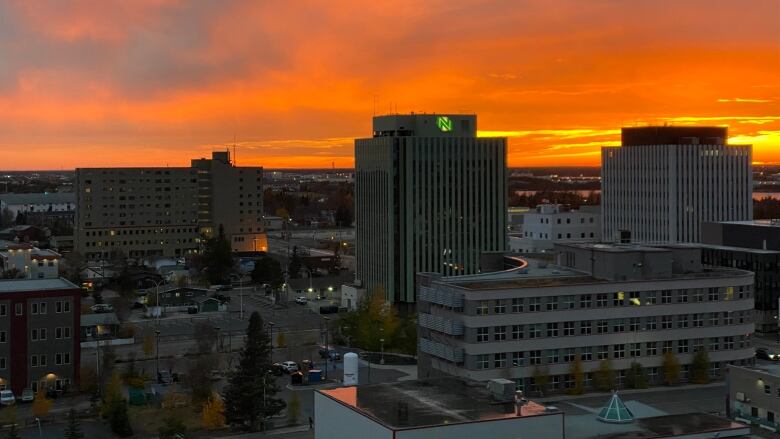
(754, 395)
(622, 303)
(39, 334)
(553, 223)
(29, 262)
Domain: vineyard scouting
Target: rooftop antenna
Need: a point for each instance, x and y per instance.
(234, 149)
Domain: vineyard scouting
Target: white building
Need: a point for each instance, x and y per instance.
(39, 202)
(663, 182)
(451, 408)
(31, 262)
(555, 223)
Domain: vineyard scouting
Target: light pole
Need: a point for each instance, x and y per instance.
(326, 320)
(40, 433)
(157, 361)
(159, 308)
(382, 351)
(219, 345)
(271, 336)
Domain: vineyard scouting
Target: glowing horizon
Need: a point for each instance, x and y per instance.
(156, 82)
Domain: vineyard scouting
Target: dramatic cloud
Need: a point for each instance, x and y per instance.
(144, 82)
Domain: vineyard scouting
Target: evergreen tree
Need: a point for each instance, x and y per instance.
(294, 268)
(218, 258)
(249, 395)
(172, 428)
(73, 430)
(700, 367)
(268, 271)
(118, 419)
(635, 378)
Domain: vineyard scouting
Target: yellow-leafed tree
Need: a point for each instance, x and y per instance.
(214, 413)
(41, 404)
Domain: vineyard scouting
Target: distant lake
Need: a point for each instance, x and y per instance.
(586, 193)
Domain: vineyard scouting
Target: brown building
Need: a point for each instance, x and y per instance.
(143, 212)
(39, 334)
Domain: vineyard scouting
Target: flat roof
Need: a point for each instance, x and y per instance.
(757, 222)
(39, 198)
(738, 249)
(27, 285)
(420, 403)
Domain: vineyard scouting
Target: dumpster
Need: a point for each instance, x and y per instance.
(296, 378)
(315, 376)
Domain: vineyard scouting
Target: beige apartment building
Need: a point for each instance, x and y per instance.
(164, 212)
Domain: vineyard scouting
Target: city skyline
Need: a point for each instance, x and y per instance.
(145, 83)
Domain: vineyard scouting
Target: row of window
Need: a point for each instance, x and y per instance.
(40, 360)
(607, 326)
(544, 220)
(36, 308)
(501, 360)
(154, 231)
(560, 235)
(604, 300)
(39, 334)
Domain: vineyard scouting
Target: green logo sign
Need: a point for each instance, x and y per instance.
(444, 123)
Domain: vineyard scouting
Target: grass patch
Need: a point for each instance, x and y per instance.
(147, 420)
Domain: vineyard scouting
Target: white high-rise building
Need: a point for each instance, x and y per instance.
(430, 196)
(663, 182)
(549, 224)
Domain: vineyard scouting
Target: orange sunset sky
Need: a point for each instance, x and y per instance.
(155, 82)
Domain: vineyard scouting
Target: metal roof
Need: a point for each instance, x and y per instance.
(29, 285)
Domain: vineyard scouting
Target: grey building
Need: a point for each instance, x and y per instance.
(145, 212)
(753, 246)
(754, 395)
(623, 303)
(430, 196)
(663, 182)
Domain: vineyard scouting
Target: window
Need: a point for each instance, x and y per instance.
(34, 335)
(34, 308)
(666, 322)
(619, 351)
(728, 318)
(568, 355)
(552, 329)
(714, 344)
(34, 361)
(714, 319)
(43, 308)
(651, 298)
(482, 308)
(652, 374)
(3, 364)
(635, 349)
(729, 293)
(682, 321)
(698, 295)
(728, 343)
(66, 331)
(534, 331)
(3, 337)
(666, 296)
(667, 348)
(651, 323)
(618, 298)
(42, 333)
(602, 327)
(585, 301)
(535, 305)
(634, 298)
(568, 302)
(499, 307)
(682, 296)
(58, 306)
(42, 359)
(483, 361)
(3, 310)
(58, 358)
(603, 352)
(698, 345)
(585, 327)
(601, 300)
(552, 303)
(58, 332)
(619, 325)
(586, 354)
(66, 306)
(651, 348)
(552, 356)
(499, 360)
(517, 332)
(698, 322)
(535, 357)
(517, 305)
(568, 328)
(517, 359)
(713, 294)
(483, 334)
(499, 333)
(682, 346)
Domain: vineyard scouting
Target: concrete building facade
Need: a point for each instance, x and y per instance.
(663, 182)
(554, 223)
(39, 334)
(29, 261)
(143, 212)
(430, 196)
(600, 302)
(754, 395)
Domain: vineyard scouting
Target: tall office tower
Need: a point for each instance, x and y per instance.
(142, 212)
(663, 182)
(430, 196)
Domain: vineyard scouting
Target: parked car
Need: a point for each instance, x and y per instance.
(27, 395)
(290, 366)
(766, 354)
(277, 369)
(301, 300)
(333, 355)
(102, 308)
(7, 397)
(329, 309)
(164, 377)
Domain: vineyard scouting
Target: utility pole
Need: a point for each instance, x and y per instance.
(157, 345)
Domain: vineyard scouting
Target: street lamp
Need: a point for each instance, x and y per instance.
(157, 362)
(327, 348)
(381, 351)
(159, 308)
(219, 345)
